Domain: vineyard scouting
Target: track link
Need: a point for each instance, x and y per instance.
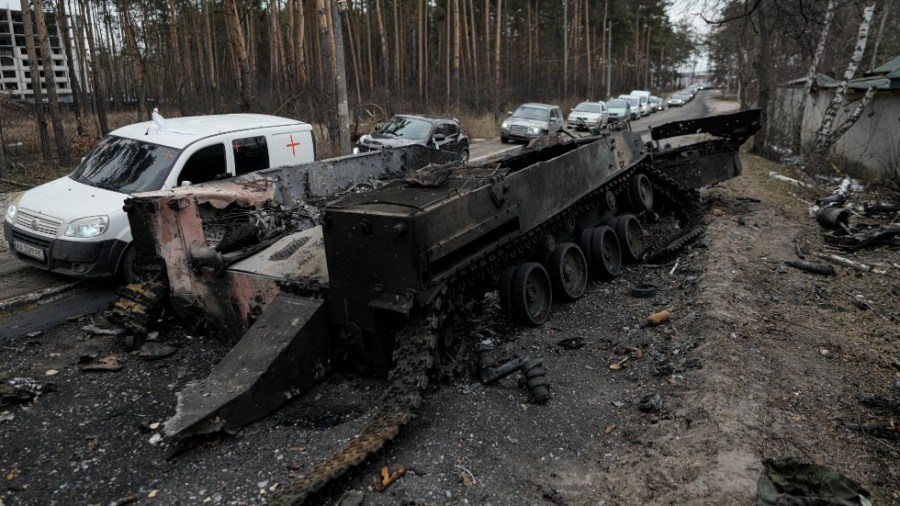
(413, 356)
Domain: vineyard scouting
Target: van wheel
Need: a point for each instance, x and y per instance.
(130, 272)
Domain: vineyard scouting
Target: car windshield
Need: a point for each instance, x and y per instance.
(616, 103)
(529, 112)
(407, 128)
(126, 165)
(588, 107)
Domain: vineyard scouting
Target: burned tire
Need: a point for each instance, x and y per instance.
(568, 271)
(532, 294)
(643, 290)
(640, 193)
(606, 255)
(631, 237)
(505, 288)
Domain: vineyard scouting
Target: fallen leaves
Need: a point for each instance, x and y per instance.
(387, 476)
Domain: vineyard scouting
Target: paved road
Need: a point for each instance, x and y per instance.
(19, 283)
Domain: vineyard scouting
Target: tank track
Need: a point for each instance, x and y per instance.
(414, 355)
(138, 305)
(687, 211)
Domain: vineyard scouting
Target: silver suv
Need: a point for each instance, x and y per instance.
(531, 120)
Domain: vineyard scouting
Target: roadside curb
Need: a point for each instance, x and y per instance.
(37, 296)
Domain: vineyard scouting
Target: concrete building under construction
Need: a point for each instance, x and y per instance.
(15, 71)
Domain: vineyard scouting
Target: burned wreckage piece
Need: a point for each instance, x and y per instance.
(392, 268)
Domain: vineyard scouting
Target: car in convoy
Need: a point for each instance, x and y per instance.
(437, 132)
(678, 99)
(619, 110)
(589, 116)
(657, 104)
(644, 95)
(531, 120)
(635, 103)
(75, 225)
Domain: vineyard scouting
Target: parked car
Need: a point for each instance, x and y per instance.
(678, 100)
(635, 103)
(531, 120)
(405, 129)
(657, 103)
(75, 225)
(588, 116)
(619, 110)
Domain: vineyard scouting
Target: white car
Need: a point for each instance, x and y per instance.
(588, 116)
(76, 226)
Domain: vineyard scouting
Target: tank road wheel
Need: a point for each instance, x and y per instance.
(531, 294)
(631, 237)
(640, 193)
(606, 255)
(504, 288)
(568, 271)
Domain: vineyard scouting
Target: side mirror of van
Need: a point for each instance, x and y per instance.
(185, 183)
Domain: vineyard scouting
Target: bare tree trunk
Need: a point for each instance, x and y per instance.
(98, 88)
(2, 152)
(62, 144)
(303, 75)
(824, 132)
(587, 48)
(884, 15)
(340, 80)
(420, 35)
(849, 122)
(327, 76)
(354, 54)
(565, 48)
(497, 60)
(210, 55)
(236, 37)
(761, 143)
(811, 76)
(385, 62)
(63, 25)
(177, 67)
(457, 27)
(36, 82)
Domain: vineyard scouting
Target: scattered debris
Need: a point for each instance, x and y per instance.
(156, 351)
(351, 498)
(536, 381)
(790, 180)
(572, 343)
(51, 372)
(93, 329)
(651, 403)
(813, 267)
(846, 262)
(491, 372)
(883, 427)
(387, 476)
(609, 428)
(615, 366)
(466, 476)
(659, 318)
(644, 290)
(789, 481)
(108, 363)
(23, 389)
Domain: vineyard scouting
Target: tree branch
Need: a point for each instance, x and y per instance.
(726, 20)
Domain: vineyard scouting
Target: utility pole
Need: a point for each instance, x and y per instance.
(337, 9)
(647, 74)
(609, 60)
(565, 48)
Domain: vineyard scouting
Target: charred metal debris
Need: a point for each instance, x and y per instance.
(379, 259)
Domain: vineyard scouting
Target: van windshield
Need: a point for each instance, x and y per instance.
(126, 165)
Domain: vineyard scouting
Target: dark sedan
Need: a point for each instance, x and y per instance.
(404, 129)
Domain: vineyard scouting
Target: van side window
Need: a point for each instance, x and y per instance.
(205, 165)
(250, 154)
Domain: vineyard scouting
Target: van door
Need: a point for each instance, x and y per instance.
(250, 154)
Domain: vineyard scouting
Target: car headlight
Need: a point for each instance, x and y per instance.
(534, 130)
(11, 213)
(88, 227)
(505, 124)
(355, 150)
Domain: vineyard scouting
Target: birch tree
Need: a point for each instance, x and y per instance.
(824, 137)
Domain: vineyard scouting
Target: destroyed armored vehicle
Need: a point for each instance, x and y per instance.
(389, 250)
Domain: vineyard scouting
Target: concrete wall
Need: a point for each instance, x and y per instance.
(871, 147)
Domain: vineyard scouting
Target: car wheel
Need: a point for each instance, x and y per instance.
(464, 157)
(130, 272)
(504, 139)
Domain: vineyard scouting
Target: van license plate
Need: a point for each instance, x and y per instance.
(29, 250)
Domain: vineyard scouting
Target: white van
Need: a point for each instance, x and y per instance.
(75, 225)
(644, 95)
